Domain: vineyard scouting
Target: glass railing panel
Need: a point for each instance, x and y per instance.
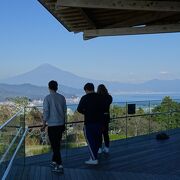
(33, 116)
(19, 161)
(174, 120)
(36, 141)
(6, 112)
(75, 135)
(148, 117)
(160, 122)
(160, 119)
(137, 126)
(117, 129)
(10, 135)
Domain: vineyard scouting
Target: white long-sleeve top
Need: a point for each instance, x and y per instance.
(54, 109)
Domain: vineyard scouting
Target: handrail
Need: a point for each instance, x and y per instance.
(12, 159)
(12, 118)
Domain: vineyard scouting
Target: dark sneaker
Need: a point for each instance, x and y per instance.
(58, 169)
(53, 164)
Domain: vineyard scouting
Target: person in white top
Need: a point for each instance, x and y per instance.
(54, 116)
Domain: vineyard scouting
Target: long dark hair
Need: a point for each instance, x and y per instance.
(102, 89)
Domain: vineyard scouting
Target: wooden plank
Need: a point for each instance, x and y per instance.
(43, 171)
(133, 30)
(139, 161)
(12, 173)
(147, 153)
(48, 173)
(140, 18)
(140, 156)
(25, 173)
(122, 4)
(87, 18)
(37, 173)
(54, 14)
(68, 174)
(31, 173)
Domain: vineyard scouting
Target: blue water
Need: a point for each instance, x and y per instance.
(141, 100)
(143, 97)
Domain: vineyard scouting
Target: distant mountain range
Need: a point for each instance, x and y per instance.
(30, 91)
(34, 84)
(41, 75)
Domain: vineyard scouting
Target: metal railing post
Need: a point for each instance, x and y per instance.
(126, 120)
(66, 140)
(24, 143)
(149, 117)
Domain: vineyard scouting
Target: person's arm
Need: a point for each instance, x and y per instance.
(111, 99)
(65, 111)
(81, 106)
(45, 112)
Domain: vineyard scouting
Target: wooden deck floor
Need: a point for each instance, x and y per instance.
(140, 158)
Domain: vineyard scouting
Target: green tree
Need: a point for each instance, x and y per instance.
(170, 116)
(6, 112)
(20, 101)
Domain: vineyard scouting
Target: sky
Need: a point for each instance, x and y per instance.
(30, 36)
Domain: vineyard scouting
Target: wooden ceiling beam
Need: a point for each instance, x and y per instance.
(169, 28)
(143, 5)
(87, 18)
(140, 19)
(43, 3)
(173, 19)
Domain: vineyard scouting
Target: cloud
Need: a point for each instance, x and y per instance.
(164, 73)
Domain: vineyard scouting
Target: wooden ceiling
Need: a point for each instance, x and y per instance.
(116, 17)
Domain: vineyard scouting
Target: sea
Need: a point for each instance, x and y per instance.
(143, 100)
(144, 97)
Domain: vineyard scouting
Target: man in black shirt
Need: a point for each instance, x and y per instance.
(90, 106)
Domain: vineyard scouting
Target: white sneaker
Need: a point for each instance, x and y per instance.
(58, 169)
(100, 151)
(106, 149)
(91, 162)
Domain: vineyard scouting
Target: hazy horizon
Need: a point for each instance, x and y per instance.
(48, 64)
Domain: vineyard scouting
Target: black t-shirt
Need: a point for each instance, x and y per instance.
(90, 105)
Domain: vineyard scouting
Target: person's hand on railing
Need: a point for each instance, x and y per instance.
(43, 126)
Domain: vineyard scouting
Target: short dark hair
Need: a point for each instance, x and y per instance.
(89, 87)
(53, 85)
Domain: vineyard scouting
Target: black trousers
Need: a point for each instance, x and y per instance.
(55, 136)
(105, 135)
